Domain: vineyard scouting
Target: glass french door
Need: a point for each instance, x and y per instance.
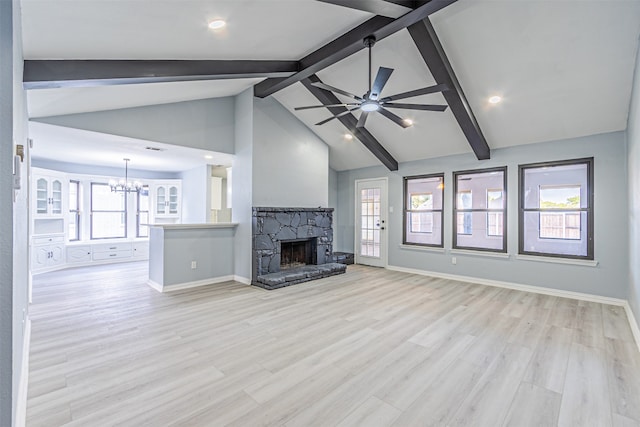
(371, 218)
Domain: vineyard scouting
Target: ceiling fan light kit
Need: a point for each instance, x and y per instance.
(371, 102)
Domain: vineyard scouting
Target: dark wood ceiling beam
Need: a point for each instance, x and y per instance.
(349, 121)
(348, 44)
(427, 42)
(39, 74)
(377, 7)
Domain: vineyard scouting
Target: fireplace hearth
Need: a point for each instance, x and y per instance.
(292, 245)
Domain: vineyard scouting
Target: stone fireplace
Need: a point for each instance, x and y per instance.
(292, 245)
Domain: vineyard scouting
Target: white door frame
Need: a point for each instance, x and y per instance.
(384, 212)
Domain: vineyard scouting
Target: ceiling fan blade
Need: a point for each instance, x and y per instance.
(323, 106)
(424, 91)
(396, 119)
(336, 90)
(381, 80)
(362, 120)
(424, 107)
(344, 113)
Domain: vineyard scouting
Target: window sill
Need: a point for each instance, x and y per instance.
(422, 248)
(480, 253)
(569, 261)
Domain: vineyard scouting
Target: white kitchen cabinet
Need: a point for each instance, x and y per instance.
(141, 250)
(78, 253)
(48, 251)
(49, 195)
(167, 200)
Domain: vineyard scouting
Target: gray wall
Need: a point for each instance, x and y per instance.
(290, 163)
(241, 183)
(633, 168)
(207, 124)
(609, 278)
(210, 248)
(6, 210)
(196, 195)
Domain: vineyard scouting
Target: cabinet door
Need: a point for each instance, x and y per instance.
(40, 257)
(56, 254)
(161, 200)
(56, 197)
(173, 200)
(42, 196)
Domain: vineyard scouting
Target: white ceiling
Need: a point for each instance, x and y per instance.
(564, 68)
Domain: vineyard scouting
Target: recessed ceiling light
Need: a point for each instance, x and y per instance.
(495, 99)
(208, 157)
(217, 24)
(348, 136)
(408, 122)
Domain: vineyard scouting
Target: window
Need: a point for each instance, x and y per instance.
(494, 219)
(423, 210)
(556, 209)
(108, 212)
(464, 218)
(142, 214)
(74, 211)
(480, 220)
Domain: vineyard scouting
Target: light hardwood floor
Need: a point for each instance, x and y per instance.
(369, 348)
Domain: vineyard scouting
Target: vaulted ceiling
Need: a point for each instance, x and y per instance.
(563, 68)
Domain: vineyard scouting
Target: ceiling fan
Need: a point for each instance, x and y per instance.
(372, 102)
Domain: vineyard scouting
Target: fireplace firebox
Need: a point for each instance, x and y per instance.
(297, 253)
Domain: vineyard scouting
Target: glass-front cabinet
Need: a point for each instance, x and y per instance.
(49, 196)
(167, 200)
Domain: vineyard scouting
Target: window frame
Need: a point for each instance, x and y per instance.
(138, 211)
(76, 211)
(454, 242)
(589, 209)
(125, 212)
(406, 211)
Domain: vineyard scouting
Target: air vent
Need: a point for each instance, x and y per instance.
(155, 149)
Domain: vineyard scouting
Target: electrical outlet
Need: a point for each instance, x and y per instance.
(454, 261)
(194, 265)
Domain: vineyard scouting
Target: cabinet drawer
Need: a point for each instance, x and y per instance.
(45, 240)
(111, 247)
(97, 256)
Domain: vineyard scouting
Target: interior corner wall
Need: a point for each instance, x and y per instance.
(196, 195)
(6, 210)
(290, 162)
(633, 171)
(609, 278)
(206, 124)
(242, 182)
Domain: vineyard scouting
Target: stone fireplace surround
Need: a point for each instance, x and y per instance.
(273, 225)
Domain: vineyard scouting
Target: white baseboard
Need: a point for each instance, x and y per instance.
(242, 279)
(534, 289)
(515, 286)
(635, 329)
(23, 386)
(186, 285)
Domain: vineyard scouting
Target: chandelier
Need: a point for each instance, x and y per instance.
(124, 185)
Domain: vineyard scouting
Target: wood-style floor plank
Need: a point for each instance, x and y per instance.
(371, 347)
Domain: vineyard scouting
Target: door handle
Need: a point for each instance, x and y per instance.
(381, 228)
